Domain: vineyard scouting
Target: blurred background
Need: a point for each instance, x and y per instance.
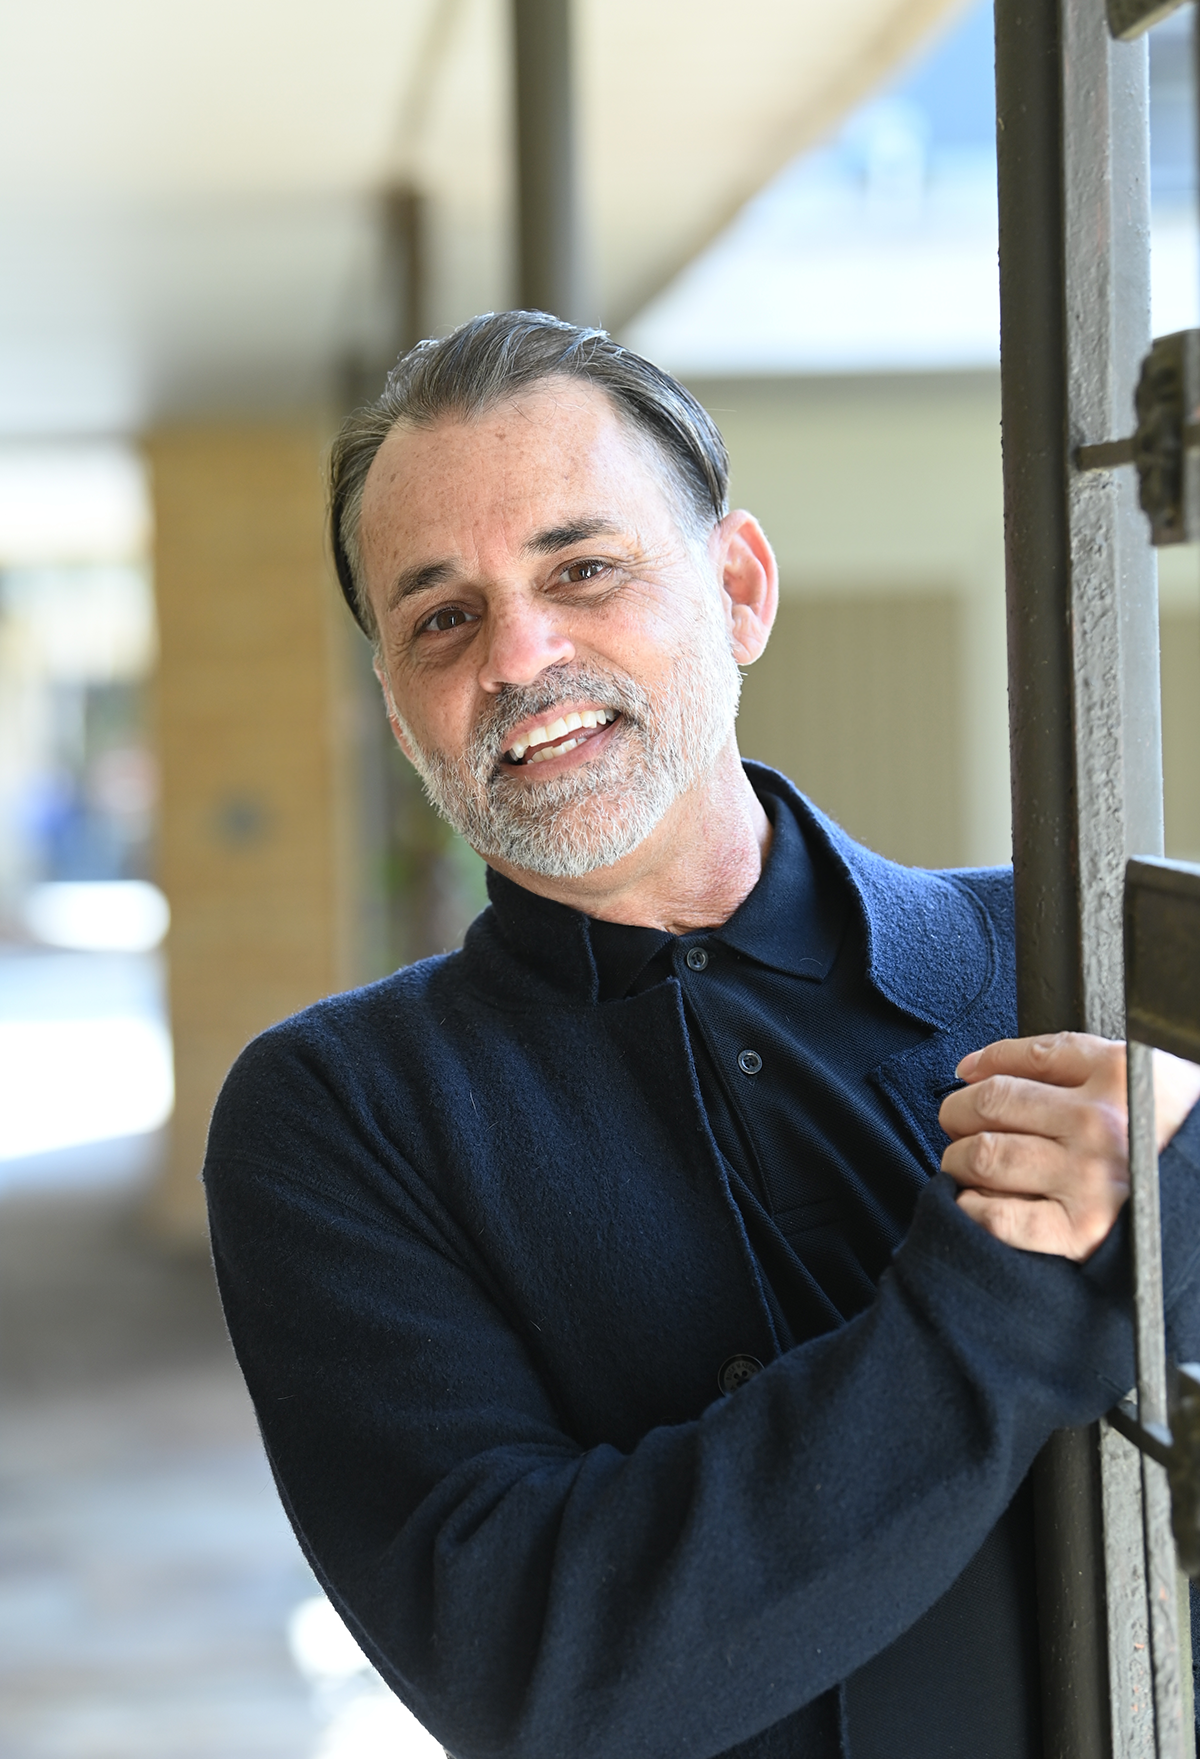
(218, 226)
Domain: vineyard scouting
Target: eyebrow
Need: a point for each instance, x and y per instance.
(418, 579)
(542, 543)
(561, 537)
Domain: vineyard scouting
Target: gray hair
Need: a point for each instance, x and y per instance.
(496, 357)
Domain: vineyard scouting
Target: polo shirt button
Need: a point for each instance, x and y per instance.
(697, 959)
(735, 1371)
(749, 1062)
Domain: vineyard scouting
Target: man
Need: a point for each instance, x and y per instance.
(634, 1380)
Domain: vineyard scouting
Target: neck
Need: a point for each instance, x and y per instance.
(697, 865)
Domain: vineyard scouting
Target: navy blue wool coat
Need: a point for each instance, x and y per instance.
(481, 1267)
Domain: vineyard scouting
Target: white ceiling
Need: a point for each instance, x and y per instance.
(188, 195)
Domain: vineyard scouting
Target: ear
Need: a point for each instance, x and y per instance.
(389, 707)
(750, 580)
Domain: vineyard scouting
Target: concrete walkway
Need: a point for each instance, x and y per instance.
(146, 1570)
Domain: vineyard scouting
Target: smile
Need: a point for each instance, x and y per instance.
(539, 744)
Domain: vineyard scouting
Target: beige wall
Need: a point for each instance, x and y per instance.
(882, 498)
(254, 852)
(884, 693)
(860, 701)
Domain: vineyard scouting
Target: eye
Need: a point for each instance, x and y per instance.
(589, 569)
(448, 617)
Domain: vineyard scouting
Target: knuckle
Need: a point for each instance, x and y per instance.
(981, 1154)
(993, 1098)
(1103, 1130)
(1043, 1049)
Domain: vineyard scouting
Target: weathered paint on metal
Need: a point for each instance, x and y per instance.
(1073, 148)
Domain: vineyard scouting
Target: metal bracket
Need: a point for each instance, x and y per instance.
(1178, 1449)
(1128, 19)
(1165, 446)
(1162, 955)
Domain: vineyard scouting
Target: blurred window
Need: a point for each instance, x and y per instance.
(87, 1051)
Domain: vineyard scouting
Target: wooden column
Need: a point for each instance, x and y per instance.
(252, 722)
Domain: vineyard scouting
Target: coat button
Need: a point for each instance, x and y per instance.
(749, 1062)
(697, 959)
(735, 1371)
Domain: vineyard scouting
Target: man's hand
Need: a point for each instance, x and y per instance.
(1040, 1137)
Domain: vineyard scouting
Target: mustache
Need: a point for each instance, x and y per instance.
(561, 684)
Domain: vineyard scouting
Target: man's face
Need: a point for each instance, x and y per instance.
(555, 641)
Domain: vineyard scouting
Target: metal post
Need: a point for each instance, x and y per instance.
(551, 272)
(1073, 156)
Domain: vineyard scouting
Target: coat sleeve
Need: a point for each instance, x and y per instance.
(530, 1598)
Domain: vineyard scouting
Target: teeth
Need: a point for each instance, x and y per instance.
(556, 730)
(554, 751)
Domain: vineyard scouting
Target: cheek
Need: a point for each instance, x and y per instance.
(439, 711)
(643, 635)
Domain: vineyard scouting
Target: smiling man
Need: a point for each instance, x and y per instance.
(634, 1379)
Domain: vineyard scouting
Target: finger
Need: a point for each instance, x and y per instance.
(1031, 1225)
(1018, 1166)
(1031, 1108)
(1031, 1168)
(1065, 1059)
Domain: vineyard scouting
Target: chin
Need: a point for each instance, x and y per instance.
(578, 839)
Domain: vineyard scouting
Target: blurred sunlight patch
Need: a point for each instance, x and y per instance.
(361, 1718)
(98, 916)
(67, 1082)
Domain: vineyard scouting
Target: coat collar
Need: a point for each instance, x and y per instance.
(929, 944)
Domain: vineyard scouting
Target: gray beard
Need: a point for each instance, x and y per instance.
(598, 812)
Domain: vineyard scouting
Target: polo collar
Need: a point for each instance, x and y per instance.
(928, 940)
(790, 921)
(794, 918)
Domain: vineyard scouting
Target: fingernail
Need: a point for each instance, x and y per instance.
(967, 1065)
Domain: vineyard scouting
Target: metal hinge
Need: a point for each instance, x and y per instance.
(1165, 445)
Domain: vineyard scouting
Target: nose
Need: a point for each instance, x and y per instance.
(524, 640)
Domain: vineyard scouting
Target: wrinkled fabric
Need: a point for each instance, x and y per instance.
(481, 1265)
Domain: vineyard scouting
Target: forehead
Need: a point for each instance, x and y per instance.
(557, 451)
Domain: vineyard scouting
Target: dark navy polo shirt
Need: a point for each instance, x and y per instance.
(787, 1031)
